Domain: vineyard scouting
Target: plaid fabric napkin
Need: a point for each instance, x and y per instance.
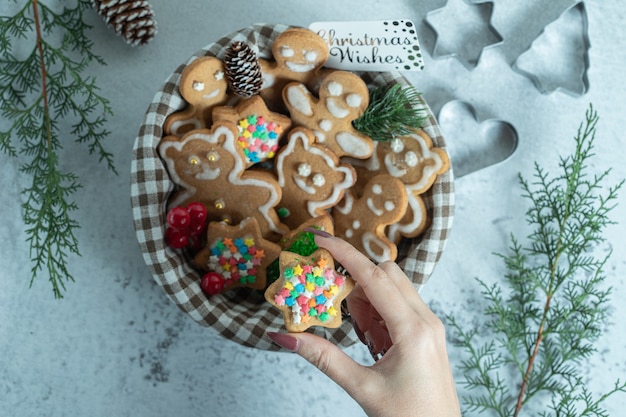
(243, 315)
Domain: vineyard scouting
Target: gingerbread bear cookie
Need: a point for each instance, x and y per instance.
(299, 55)
(309, 291)
(260, 130)
(209, 167)
(343, 97)
(311, 176)
(203, 86)
(238, 254)
(362, 220)
(414, 160)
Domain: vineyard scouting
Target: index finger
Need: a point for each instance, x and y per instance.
(379, 288)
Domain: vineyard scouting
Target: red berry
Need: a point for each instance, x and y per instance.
(198, 215)
(178, 218)
(212, 283)
(176, 238)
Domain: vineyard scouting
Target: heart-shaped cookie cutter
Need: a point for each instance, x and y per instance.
(475, 144)
(578, 83)
(467, 43)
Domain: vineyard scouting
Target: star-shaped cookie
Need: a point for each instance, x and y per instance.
(260, 129)
(309, 291)
(238, 253)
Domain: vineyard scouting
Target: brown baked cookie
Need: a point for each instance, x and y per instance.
(309, 291)
(299, 236)
(209, 167)
(260, 130)
(203, 86)
(343, 97)
(311, 177)
(416, 162)
(362, 220)
(238, 253)
(299, 55)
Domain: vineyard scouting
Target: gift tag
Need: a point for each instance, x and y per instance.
(380, 45)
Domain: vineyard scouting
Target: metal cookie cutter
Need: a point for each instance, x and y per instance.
(463, 30)
(558, 58)
(475, 144)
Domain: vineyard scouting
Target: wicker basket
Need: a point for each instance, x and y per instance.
(242, 315)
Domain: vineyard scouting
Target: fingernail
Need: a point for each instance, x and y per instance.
(318, 232)
(285, 341)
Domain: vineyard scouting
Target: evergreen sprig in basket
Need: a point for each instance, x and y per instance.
(242, 315)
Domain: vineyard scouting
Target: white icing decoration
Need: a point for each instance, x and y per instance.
(287, 52)
(349, 233)
(295, 67)
(319, 136)
(396, 145)
(219, 75)
(356, 224)
(334, 88)
(319, 180)
(371, 164)
(371, 242)
(211, 95)
(397, 229)
(304, 169)
(377, 189)
(301, 183)
(389, 205)
(198, 85)
(411, 159)
(392, 167)
(373, 208)
(333, 108)
(298, 99)
(310, 56)
(353, 145)
(354, 100)
(325, 125)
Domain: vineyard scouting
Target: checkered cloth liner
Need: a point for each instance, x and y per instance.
(242, 315)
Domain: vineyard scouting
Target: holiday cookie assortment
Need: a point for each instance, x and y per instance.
(252, 143)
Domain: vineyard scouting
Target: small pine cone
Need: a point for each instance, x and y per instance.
(242, 70)
(131, 19)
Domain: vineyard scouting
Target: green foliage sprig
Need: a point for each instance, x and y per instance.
(544, 318)
(46, 99)
(394, 110)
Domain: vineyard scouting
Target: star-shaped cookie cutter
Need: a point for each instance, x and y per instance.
(464, 41)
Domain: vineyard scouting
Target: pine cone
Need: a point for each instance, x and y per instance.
(131, 19)
(242, 69)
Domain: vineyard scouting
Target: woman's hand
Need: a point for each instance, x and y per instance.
(413, 375)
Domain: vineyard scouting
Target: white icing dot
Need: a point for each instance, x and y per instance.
(219, 75)
(377, 189)
(396, 145)
(389, 205)
(356, 224)
(198, 85)
(286, 51)
(349, 233)
(319, 136)
(354, 100)
(411, 159)
(334, 88)
(304, 169)
(325, 125)
(319, 180)
(310, 56)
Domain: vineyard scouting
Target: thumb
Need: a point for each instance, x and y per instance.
(325, 356)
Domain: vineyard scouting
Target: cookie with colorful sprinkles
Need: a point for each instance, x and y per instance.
(238, 254)
(260, 130)
(309, 291)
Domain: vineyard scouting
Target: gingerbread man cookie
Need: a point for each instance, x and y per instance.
(416, 162)
(343, 97)
(239, 254)
(309, 291)
(311, 176)
(362, 221)
(203, 86)
(209, 167)
(260, 130)
(299, 55)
